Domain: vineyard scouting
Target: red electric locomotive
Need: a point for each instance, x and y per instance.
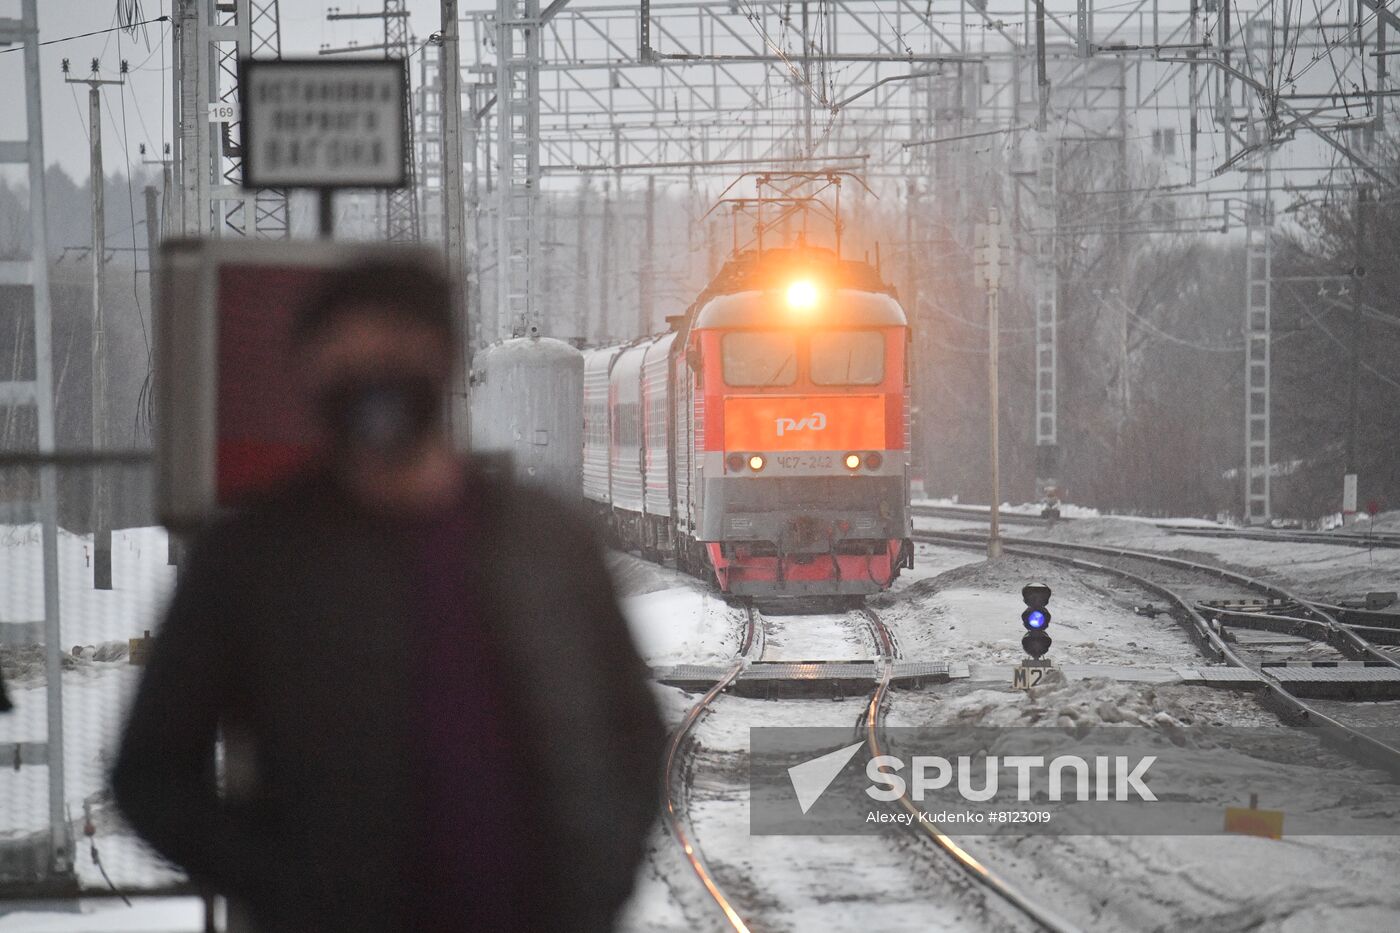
(763, 440)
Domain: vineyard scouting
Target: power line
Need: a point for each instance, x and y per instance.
(85, 35)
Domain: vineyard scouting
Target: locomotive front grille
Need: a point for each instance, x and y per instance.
(814, 515)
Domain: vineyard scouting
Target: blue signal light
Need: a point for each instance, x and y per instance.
(1036, 619)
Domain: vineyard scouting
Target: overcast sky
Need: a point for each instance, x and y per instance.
(147, 98)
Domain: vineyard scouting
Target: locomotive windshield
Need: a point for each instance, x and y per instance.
(759, 358)
(848, 358)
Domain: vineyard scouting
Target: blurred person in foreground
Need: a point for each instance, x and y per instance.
(443, 722)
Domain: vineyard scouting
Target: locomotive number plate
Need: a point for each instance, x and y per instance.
(804, 461)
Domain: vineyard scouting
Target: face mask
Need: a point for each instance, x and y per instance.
(388, 416)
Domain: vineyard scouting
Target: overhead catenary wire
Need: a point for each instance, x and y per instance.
(84, 35)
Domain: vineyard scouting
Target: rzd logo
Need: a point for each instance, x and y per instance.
(816, 421)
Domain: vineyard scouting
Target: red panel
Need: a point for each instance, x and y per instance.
(804, 422)
(263, 423)
(894, 389)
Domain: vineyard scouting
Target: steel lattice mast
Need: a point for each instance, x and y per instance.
(211, 37)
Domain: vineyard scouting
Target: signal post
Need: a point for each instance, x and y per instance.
(1035, 669)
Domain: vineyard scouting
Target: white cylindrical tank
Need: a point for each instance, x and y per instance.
(527, 401)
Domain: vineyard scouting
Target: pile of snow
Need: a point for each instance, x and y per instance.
(1067, 510)
(633, 576)
(674, 618)
(1383, 522)
(1080, 706)
(1125, 532)
(683, 625)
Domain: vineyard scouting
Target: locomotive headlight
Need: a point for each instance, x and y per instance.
(852, 461)
(756, 462)
(803, 295)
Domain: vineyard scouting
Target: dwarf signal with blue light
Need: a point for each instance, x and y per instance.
(1036, 619)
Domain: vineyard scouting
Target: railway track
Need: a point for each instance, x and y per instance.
(1279, 535)
(1290, 629)
(996, 885)
(755, 647)
(1191, 590)
(674, 784)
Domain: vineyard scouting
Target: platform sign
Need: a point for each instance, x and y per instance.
(313, 123)
(1349, 494)
(232, 419)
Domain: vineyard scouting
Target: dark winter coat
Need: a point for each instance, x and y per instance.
(286, 632)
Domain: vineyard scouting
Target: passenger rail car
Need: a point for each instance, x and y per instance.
(764, 439)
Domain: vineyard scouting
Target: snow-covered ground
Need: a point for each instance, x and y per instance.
(973, 613)
(97, 685)
(952, 606)
(1319, 570)
(1160, 882)
(1215, 882)
(141, 582)
(801, 883)
(145, 915)
(674, 617)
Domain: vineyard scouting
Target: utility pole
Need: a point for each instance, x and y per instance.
(1191, 77)
(1047, 297)
(167, 219)
(471, 150)
(518, 26)
(646, 281)
(192, 104)
(911, 304)
(1258, 312)
(155, 229)
(1358, 332)
(547, 265)
(101, 507)
(37, 395)
(988, 260)
(453, 216)
(1042, 76)
(579, 325)
(604, 267)
(806, 89)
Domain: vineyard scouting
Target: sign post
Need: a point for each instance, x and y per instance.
(324, 125)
